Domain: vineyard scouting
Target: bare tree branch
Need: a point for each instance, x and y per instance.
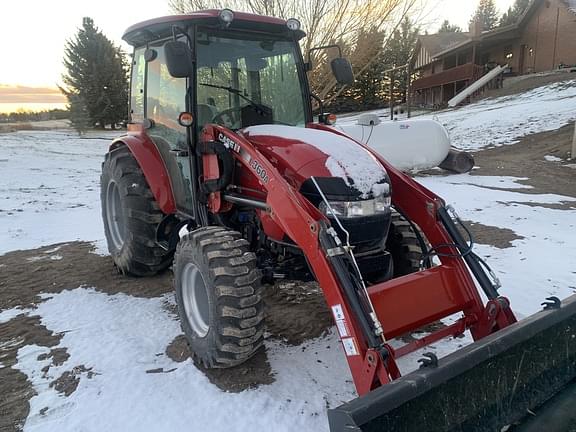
(326, 22)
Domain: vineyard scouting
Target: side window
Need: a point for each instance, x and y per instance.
(137, 94)
(165, 100)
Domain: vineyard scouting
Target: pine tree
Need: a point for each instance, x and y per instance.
(514, 12)
(79, 115)
(446, 27)
(398, 52)
(367, 89)
(486, 14)
(96, 77)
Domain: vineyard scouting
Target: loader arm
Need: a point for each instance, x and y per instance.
(439, 292)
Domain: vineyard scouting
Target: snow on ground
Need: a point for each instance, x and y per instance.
(49, 192)
(504, 120)
(540, 265)
(116, 393)
(50, 187)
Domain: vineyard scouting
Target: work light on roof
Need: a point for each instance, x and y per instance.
(226, 16)
(293, 24)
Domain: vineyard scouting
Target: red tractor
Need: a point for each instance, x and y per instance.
(225, 174)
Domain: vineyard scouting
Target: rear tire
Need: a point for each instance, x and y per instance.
(219, 296)
(404, 246)
(130, 215)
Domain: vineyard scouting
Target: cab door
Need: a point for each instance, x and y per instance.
(165, 100)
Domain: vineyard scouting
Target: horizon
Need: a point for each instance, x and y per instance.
(23, 88)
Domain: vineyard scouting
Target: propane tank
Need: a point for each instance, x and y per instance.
(409, 145)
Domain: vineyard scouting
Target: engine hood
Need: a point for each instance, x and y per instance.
(299, 153)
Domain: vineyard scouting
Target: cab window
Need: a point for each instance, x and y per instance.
(137, 94)
(165, 100)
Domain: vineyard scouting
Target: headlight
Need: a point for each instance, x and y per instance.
(226, 16)
(293, 24)
(352, 209)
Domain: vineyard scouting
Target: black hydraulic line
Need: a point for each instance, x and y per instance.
(471, 259)
(350, 292)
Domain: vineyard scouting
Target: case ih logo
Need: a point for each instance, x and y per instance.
(228, 143)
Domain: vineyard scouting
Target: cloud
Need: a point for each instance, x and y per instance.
(23, 94)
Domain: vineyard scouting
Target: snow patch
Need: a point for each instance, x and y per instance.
(346, 159)
(50, 188)
(551, 158)
(9, 314)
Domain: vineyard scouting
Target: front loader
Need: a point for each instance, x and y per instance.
(225, 174)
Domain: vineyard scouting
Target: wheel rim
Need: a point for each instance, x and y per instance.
(195, 299)
(115, 215)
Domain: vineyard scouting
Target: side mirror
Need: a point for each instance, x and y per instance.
(342, 70)
(178, 59)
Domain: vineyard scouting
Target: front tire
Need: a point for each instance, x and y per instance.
(403, 245)
(219, 296)
(130, 215)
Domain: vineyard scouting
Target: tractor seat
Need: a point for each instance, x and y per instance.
(205, 114)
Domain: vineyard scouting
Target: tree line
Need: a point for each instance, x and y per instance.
(22, 115)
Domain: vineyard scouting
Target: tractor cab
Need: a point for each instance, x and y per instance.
(239, 70)
(215, 67)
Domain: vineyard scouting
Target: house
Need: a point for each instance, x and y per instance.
(543, 39)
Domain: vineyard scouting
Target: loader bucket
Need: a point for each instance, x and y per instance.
(482, 387)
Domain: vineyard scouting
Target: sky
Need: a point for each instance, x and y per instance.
(34, 32)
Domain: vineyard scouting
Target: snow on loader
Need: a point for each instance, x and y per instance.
(222, 142)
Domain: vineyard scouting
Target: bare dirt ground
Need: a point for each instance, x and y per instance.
(526, 159)
(26, 274)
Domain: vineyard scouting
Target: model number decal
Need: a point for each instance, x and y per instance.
(259, 170)
(228, 143)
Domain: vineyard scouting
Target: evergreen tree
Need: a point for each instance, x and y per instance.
(398, 52)
(97, 79)
(371, 88)
(486, 14)
(446, 27)
(367, 89)
(79, 116)
(514, 12)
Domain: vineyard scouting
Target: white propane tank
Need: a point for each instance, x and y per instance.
(409, 145)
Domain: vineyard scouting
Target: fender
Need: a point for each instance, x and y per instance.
(152, 165)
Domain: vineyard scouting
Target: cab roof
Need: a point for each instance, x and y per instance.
(158, 28)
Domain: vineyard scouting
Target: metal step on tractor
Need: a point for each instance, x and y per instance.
(225, 174)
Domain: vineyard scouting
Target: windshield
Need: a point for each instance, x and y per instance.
(246, 79)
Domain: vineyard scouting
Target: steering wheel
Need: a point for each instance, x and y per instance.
(229, 118)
